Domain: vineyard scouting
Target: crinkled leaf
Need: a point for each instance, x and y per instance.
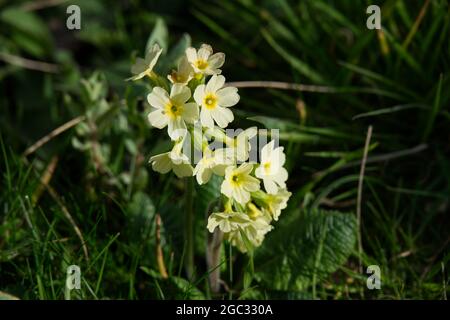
(313, 244)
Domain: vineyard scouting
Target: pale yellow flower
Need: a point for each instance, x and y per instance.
(183, 74)
(272, 204)
(204, 61)
(237, 149)
(215, 101)
(207, 166)
(174, 160)
(144, 67)
(163, 163)
(227, 221)
(238, 183)
(172, 111)
(254, 233)
(271, 169)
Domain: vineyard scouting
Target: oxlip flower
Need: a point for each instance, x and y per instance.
(272, 204)
(163, 163)
(204, 61)
(271, 169)
(174, 160)
(230, 150)
(172, 111)
(254, 233)
(208, 165)
(215, 101)
(183, 74)
(238, 183)
(227, 221)
(144, 67)
(237, 149)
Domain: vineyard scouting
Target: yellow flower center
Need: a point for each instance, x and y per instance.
(177, 77)
(180, 78)
(210, 101)
(235, 179)
(201, 64)
(266, 167)
(172, 110)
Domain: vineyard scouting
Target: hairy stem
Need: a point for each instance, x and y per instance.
(189, 231)
(213, 259)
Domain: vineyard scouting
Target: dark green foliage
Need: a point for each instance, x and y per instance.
(304, 251)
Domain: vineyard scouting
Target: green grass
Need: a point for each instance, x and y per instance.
(396, 80)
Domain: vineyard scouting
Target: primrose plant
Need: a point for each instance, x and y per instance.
(194, 105)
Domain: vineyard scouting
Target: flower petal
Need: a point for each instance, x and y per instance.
(270, 186)
(222, 116)
(216, 60)
(206, 118)
(204, 52)
(199, 94)
(158, 119)
(266, 151)
(279, 156)
(152, 56)
(176, 128)
(161, 163)
(228, 97)
(139, 66)
(280, 177)
(183, 170)
(213, 222)
(241, 195)
(191, 55)
(215, 83)
(219, 169)
(245, 168)
(250, 132)
(251, 184)
(259, 172)
(225, 188)
(179, 94)
(203, 175)
(158, 98)
(190, 112)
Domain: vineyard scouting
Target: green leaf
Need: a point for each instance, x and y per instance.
(188, 290)
(297, 133)
(274, 123)
(434, 111)
(304, 248)
(26, 22)
(295, 62)
(140, 212)
(94, 88)
(336, 15)
(172, 57)
(159, 35)
(403, 53)
(175, 287)
(29, 44)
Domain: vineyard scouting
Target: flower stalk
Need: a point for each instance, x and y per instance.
(189, 231)
(213, 259)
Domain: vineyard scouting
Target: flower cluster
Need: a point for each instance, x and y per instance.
(194, 106)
